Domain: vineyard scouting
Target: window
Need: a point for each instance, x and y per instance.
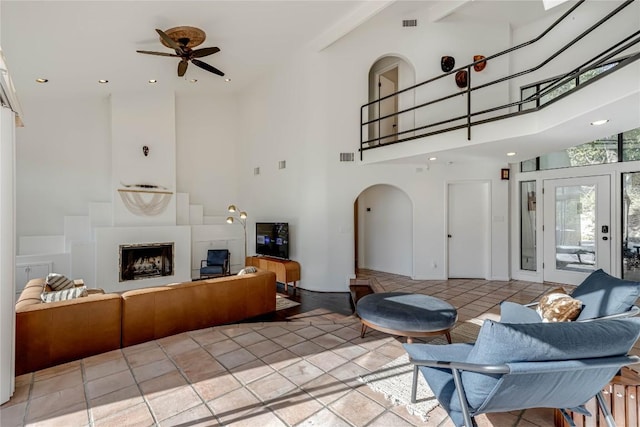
(528, 225)
(538, 94)
(631, 226)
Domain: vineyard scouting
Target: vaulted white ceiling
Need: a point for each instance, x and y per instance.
(75, 43)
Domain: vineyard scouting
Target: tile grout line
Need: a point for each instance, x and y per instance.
(142, 394)
(85, 389)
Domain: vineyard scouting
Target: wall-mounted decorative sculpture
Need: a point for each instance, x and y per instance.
(447, 63)
(145, 199)
(480, 65)
(461, 79)
(145, 150)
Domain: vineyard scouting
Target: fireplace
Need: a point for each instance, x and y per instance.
(146, 260)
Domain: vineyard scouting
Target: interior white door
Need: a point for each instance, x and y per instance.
(576, 228)
(468, 229)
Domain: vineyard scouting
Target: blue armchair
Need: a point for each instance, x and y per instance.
(520, 366)
(602, 296)
(216, 264)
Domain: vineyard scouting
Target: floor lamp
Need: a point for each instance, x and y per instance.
(241, 217)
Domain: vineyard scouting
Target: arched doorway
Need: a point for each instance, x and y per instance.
(383, 216)
(388, 75)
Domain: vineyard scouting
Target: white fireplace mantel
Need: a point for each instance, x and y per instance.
(109, 239)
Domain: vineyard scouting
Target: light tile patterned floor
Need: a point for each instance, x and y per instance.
(302, 373)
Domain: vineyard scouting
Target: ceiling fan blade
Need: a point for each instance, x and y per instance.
(182, 67)
(205, 51)
(207, 67)
(148, 52)
(175, 46)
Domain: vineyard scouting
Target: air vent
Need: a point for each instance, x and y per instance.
(409, 22)
(282, 164)
(347, 157)
(256, 171)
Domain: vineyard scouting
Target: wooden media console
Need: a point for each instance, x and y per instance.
(287, 271)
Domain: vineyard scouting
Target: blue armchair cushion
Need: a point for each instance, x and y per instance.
(604, 295)
(511, 312)
(211, 270)
(500, 343)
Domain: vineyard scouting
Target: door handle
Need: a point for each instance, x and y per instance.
(449, 235)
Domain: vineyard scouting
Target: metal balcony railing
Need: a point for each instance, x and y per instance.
(531, 96)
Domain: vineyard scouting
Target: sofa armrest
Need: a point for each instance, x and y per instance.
(52, 333)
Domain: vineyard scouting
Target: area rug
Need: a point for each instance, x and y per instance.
(394, 379)
(283, 302)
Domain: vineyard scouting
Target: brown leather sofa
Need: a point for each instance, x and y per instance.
(48, 334)
(153, 313)
(58, 332)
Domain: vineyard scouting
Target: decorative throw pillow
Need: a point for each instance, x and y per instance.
(557, 306)
(65, 294)
(247, 270)
(58, 282)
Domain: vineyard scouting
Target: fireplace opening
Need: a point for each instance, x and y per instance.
(144, 261)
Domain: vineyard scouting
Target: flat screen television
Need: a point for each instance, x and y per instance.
(272, 239)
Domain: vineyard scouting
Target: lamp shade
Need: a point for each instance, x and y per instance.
(231, 208)
(230, 220)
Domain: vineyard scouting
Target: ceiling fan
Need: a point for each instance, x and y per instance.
(182, 40)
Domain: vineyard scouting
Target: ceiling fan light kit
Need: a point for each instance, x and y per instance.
(182, 40)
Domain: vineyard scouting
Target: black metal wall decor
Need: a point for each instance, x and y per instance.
(480, 65)
(447, 63)
(461, 79)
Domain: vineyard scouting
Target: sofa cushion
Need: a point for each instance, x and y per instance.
(58, 282)
(65, 294)
(247, 270)
(500, 343)
(604, 295)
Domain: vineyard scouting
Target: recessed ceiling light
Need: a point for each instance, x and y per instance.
(599, 122)
(103, 81)
(433, 158)
(41, 80)
(193, 80)
(511, 153)
(153, 81)
(227, 80)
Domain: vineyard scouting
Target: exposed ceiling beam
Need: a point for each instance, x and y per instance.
(441, 9)
(360, 15)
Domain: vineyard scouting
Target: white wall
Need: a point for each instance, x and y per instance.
(206, 146)
(63, 161)
(139, 120)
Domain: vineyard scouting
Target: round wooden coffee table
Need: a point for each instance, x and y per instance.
(407, 315)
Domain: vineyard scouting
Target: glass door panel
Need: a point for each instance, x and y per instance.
(576, 228)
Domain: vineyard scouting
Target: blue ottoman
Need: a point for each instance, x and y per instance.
(408, 315)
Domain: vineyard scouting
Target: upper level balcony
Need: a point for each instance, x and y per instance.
(555, 79)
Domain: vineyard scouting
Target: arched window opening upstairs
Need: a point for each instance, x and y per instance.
(388, 75)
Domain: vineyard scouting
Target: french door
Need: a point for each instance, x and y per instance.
(577, 228)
